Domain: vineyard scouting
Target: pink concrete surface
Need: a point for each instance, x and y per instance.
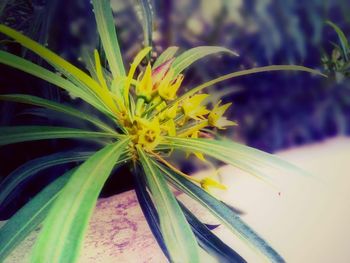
(118, 232)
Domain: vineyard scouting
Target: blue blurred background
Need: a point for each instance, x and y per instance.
(274, 110)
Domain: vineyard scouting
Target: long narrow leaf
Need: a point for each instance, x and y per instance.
(246, 158)
(106, 29)
(192, 55)
(31, 168)
(15, 134)
(149, 210)
(179, 239)
(224, 214)
(146, 19)
(37, 101)
(48, 55)
(42, 73)
(62, 235)
(210, 242)
(342, 39)
(29, 216)
(60, 64)
(243, 73)
(89, 62)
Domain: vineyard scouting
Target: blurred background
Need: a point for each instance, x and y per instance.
(275, 111)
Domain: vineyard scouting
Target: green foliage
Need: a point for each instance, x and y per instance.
(64, 227)
(29, 217)
(177, 233)
(145, 120)
(338, 63)
(106, 29)
(30, 169)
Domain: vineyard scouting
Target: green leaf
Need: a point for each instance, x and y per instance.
(192, 55)
(15, 134)
(63, 231)
(29, 216)
(146, 19)
(243, 157)
(37, 101)
(224, 214)
(49, 56)
(27, 170)
(342, 38)
(178, 237)
(60, 64)
(148, 209)
(53, 78)
(242, 73)
(106, 29)
(166, 55)
(210, 242)
(88, 59)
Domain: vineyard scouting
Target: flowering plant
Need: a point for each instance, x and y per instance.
(337, 64)
(148, 116)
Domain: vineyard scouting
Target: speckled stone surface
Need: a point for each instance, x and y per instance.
(118, 232)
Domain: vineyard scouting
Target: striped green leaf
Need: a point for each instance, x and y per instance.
(29, 216)
(29, 169)
(146, 19)
(53, 78)
(226, 215)
(63, 231)
(60, 64)
(15, 134)
(148, 209)
(37, 101)
(49, 56)
(192, 55)
(178, 236)
(106, 29)
(243, 157)
(243, 73)
(210, 242)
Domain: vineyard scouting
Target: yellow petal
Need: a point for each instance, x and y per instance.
(170, 127)
(192, 106)
(137, 60)
(144, 89)
(99, 71)
(216, 119)
(208, 183)
(199, 155)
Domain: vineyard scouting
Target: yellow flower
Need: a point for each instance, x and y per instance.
(147, 133)
(170, 127)
(144, 89)
(169, 113)
(192, 107)
(208, 183)
(216, 119)
(168, 87)
(172, 111)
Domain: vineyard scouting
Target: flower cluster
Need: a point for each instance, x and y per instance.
(158, 111)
